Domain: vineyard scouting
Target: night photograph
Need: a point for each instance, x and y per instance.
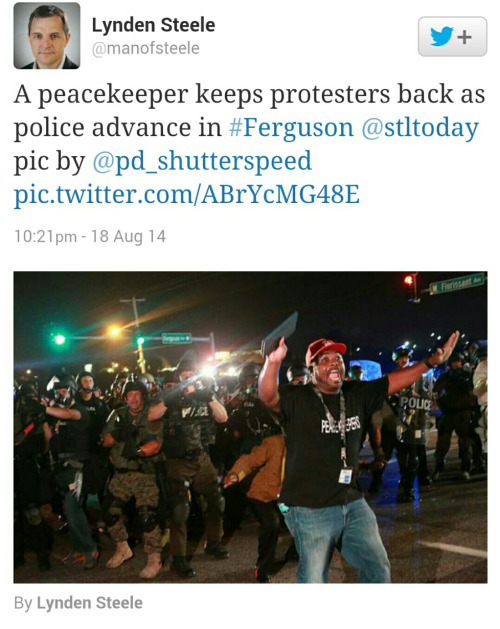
(146, 404)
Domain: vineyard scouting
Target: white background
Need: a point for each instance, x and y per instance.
(426, 204)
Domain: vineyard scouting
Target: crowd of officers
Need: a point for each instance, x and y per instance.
(147, 452)
(454, 402)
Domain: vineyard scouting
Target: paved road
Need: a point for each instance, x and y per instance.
(440, 538)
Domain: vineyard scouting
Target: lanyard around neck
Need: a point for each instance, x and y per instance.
(340, 426)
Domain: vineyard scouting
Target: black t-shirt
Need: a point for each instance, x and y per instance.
(313, 460)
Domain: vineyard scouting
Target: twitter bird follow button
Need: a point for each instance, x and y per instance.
(452, 36)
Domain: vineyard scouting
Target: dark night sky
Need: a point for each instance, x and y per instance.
(361, 309)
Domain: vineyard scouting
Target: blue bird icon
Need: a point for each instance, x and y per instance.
(443, 37)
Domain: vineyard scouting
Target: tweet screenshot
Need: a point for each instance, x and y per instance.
(247, 262)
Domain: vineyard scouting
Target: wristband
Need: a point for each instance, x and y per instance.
(427, 363)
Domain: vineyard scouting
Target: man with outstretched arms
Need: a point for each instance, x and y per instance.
(324, 423)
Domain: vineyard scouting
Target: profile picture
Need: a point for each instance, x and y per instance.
(46, 36)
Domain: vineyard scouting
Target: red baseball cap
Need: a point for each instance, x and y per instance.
(323, 345)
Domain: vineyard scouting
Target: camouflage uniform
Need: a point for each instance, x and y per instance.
(133, 477)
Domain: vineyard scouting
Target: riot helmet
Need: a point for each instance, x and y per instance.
(64, 390)
(117, 385)
(168, 379)
(248, 376)
(298, 373)
(120, 378)
(135, 385)
(253, 427)
(28, 389)
(356, 372)
(186, 366)
(479, 350)
(402, 351)
(147, 380)
(456, 357)
(81, 376)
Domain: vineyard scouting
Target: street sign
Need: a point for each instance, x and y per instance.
(457, 283)
(175, 338)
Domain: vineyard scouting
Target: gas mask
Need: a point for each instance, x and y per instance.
(62, 400)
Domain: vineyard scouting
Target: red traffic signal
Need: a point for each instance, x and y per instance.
(410, 284)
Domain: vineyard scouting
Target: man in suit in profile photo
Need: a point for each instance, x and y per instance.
(48, 35)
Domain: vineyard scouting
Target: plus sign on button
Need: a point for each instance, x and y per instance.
(452, 36)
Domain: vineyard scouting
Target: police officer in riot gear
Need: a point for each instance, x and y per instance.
(150, 383)
(114, 398)
(189, 430)
(249, 420)
(87, 396)
(68, 436)
(247, 413)
(248, 377)
(135, 441)
(404, 429)
(412, 405)
(356, 372)
(29, 445)
(97, 468)
(458, 406)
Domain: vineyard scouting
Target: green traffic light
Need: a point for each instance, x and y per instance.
(59, 339)
(139, 340)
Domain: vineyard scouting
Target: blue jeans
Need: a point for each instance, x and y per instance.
(317, 531)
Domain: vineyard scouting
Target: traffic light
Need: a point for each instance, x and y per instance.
(58, 338)
(139, 339)
(410, 285)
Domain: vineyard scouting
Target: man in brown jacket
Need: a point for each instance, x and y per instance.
(267, 460)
